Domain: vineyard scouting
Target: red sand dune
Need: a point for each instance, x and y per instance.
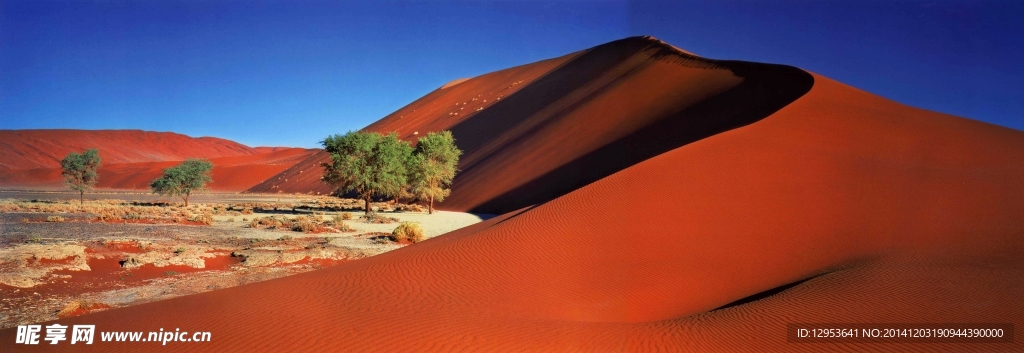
(433, 112)
(236, 173)
(131, 159)
(842, 205)
(29, 149)
(550, 127)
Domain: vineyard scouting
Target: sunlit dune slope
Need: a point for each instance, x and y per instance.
(31, 149)
(845, 206)
(550, 127)
(236, 173)
(131, 159)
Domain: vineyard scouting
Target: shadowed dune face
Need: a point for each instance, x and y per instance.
(132, 159)
(838, 207)
(577, 119)
(615, 127)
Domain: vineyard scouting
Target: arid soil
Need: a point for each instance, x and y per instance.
(80, 264)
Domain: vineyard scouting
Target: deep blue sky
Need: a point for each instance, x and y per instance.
(291, 73)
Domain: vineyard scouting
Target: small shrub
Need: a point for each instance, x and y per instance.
(9, 207)
(341, 225)
(107, 215)
(409, 208)
(409, 231)
(55, 218)
(285, 238)
(205, 218)
(378, 219)
(346, 216)
(303, 226)
(179, 250)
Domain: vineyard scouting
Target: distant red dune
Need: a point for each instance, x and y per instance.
(669, 203)
(29, 149)
(132, 159)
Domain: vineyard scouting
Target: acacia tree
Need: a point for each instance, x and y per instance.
(434, 164)
(394, 155)
(367, 163)
(79, 171)
(184, 179)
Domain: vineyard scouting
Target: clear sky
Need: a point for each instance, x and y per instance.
(290, 73)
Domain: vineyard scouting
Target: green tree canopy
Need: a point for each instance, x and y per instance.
(368, 163)
(433, 167)
(79, 171)
(393, 155)
(184, 179)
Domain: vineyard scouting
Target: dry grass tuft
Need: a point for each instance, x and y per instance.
(305, 226)
(340, 225)
(378, 219)
(109, 216)
(409, 208)
(410, 231)
(205, 218)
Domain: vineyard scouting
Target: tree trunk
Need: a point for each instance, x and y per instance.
(81, 197)
(430, 209)
(186, 200)
(366, 201)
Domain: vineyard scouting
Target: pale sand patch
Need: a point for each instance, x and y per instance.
(190, 255)
(433, 224)
(21, 266)
(266, 256)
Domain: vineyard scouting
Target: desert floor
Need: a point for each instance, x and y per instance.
(93, 258)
